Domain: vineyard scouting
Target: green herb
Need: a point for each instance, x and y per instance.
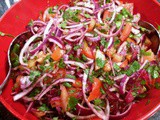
(34, 92)
(133, 68)
(43, 108)
(16, 48)
(72, 15)
(118, 17)
(2, 34)
(100, 63)
(72, 103)
(97, 73)
(142, 95)
(47, 58)
(33, 75)
(148, 101)
(109, 81)
(30, 23)
(143, 29)
(126, 13)
(153, 71)
(46, 68)
(87, 15)
(102, 91)
(70, 76)
(71, 57)
(99, 102)
(72, 91)
(134, 94)
(63, 24)
(157, 85)
(116, 42)
(116, 67)
(61, 64)
(84, 57)
(158, 27)
(118, 24)
(91, 78)
(143, 52)
(67, 85)
(104, 43)
(86, 71)
(50, 10)
(55, 118)
(143, 82)
(76, 47)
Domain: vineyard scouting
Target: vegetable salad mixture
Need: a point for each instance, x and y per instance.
(84, 60)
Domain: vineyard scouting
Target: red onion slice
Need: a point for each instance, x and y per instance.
(111, 35)
(25, 82)
(93, 39)
(123, 83)
(56, 41)
(76, 64)
(80, 117)
(46, 31)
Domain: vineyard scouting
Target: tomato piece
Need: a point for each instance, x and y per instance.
(91, 25)
(61, 73)
(16, 86)
(64, 98)
(126, 32)
(131, 40)
(75, 92)
(39, 113)
(106, 15)
(55, 102)
(78, 83)
(57, 54)
(86, 50)
(149, 57)
(95, 93)
(124, 64)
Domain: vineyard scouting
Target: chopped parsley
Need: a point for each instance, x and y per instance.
(76, 47)
(143, 52)
(86, 71)
(43, 108)
(50, 10)
(34, 92)
(87, 15)
(30, 23)
(72, 103)
(84, 58)
(104, 43)
(72, 15)
(63, 24)
(153, 71)
(116, 67)
(33, 75)
(99, 102)
(61, 64)
(133, 68)
(70, 76)
(66, 84)
(100, 63)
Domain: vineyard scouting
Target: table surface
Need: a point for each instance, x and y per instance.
(4, 113)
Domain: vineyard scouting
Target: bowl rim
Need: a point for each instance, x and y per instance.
(148, 114)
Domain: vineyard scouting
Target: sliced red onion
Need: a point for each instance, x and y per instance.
(77, 25)
(69, 37)
(121, 115)
(111, 35)
(86, 4)
(81, 65)
(135, 31)
(99, 16)
(119, 77)
(56, 41)
(114, 12)
(26, 91)
(46, 31)
(55, 83)
(80, 117)
(107, 110)
(122, 46)
(81, 110)
(136, 18)
(82, 8)
(94, 39)
(25, 47)
(25, 82)
(58, 32)
(123, 83)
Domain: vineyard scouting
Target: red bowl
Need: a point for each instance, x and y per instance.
(15, 20)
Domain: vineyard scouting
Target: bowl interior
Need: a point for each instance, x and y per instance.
(15, 21)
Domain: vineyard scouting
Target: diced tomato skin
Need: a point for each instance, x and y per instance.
(57, 54)
(86, 50)
(126, 32)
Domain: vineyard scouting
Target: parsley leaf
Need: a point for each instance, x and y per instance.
(104, 43)
(50, 10)
(87, 15)
(43, 108)
(76, 47)
(33, 75)
(70, 76)
(66, 84)
(100, 63)
(72, 103)
(133, 68)
(61, 64)
(63, 24)
(143, 52)
(116, 67)
(72, 15)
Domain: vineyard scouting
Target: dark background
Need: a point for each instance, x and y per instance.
(4, 113)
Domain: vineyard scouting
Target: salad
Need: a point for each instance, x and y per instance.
(84, 60)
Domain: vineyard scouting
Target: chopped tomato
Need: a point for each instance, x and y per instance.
(95, 93)
(126, 32)
(91, 25)
(61, 73)
(75, 92)
(55, 102)
(149, 57)
(106, 14)
(57, 54)
(117, 58)
(16, 86)
(124, 64)
(78, 83)
(107, 67)
(147, 42)
(128, 57)
(64, 97)
(110, 52)
(131, 40)
(86, 50)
